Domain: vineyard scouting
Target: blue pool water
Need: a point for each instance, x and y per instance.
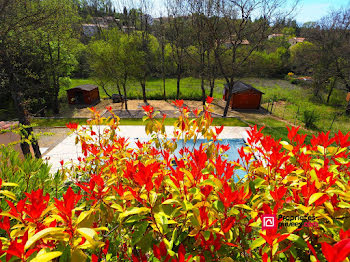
(231, 154)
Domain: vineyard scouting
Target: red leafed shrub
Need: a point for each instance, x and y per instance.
(139, 201)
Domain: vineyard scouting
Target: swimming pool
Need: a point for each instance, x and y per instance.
(231, 155)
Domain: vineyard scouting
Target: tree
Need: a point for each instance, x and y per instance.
(301, 56)
(101, 60)
(160, 34)
(330, 37)
(57, 37)
(199, 14)
(177, 37)
(22, 54)
(145, 53)
(231, 24)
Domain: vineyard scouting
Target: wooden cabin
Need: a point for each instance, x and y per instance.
(84, 94)
(244, 96)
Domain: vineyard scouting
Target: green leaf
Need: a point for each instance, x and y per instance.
(181, 238)
(218, 205)
(243, 206)
(343, 204)
(297, 240)
(170, 201)
(117, 207)
(78, 256)
(41, 234)
(8, 184)
(187, 205)
(82, 216)
(134, 211)
(257, 243)
(258, 182)
(162, 221)
(47, 256)
(89, 234)
(9, 194)
(314, 197)
(133, 219)
(139, 232)
(65, 255)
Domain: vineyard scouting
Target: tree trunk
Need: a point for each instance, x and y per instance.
(212, 84)
(26, 132)
(348, 106)
(332, 85)
(119, 92)
(203, 90)
(104, 90)
(125, 94)
(55, 77)
(164, 93)
(143, 86)
(163, 70)
(56, 108)
(228, 99)
(178, 85)
(202, 57)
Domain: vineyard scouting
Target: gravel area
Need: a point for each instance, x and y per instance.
(50, 137)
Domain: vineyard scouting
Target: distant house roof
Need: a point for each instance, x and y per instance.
(85, 87)
(239, 87)
(229, 43)
(296, 40)
(95, 25)
(91, 29)
(274, 35)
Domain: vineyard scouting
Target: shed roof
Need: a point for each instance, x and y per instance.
(85, 87)
(239, 87)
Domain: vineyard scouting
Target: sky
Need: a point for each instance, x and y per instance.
(307, 10)
(313, 10)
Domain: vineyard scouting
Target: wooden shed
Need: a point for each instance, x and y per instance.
(84, 94)
(244, 96)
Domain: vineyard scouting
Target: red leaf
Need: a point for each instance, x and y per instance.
(312, 250)
(72, 126)
(182, 253)
(328, 252)
(228, 224)
(209, 100)
(156, 252)
(94, 258)
(265, 257)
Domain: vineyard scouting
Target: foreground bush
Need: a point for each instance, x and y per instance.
(144, 203)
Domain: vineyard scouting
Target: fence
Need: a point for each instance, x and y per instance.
(323, 120)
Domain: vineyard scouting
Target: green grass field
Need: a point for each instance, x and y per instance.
(290, 97)
(190, 89)
(128, 121)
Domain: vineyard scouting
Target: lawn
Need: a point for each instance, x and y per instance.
(292, 100)
(128, 121)
(190, 89)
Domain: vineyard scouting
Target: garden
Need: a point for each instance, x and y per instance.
(145, 203)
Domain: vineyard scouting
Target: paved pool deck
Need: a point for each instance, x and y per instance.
(68, 151)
